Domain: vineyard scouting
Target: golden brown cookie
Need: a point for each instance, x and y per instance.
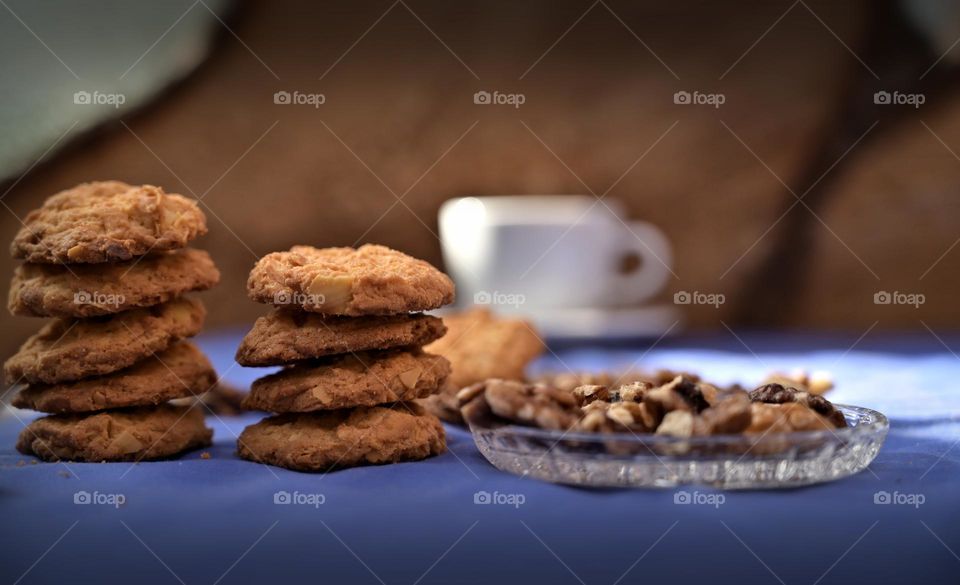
(89, 290)
(370, 280)
(180, 371)
(72, 349)
(133, 434)
(322, 441)
(289, 335)
(107, 221)
(480, 345)
(348, 380)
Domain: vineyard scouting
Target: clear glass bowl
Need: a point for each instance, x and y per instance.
(723, 461)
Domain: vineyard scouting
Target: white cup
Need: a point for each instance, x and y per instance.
(527, 252)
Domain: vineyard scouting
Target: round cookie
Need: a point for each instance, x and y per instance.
(132, 434)
(350, 380)
(289, 335)
(69, 349)
(481, 346)
(178, 372)
(370, 280)
(107, 221)
(321, 441)
(89, 290)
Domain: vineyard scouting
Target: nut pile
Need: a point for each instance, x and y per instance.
(681, 406)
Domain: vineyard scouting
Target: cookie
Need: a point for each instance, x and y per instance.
(132, 434)
(480, 346)
(290, 335)
(72, 349)
(90, 290)
(107, 221)
(322, 441)
(370, 280)
(349, 380)
(180, 371)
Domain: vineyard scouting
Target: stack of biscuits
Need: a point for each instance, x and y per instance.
(108, 262)
(347, 327)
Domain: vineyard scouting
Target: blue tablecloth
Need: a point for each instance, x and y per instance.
(215, 520)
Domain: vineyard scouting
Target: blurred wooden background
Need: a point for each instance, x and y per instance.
(400, 122)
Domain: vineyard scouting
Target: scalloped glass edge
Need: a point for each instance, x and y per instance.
(781, 460)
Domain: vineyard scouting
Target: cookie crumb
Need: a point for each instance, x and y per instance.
(205, 455)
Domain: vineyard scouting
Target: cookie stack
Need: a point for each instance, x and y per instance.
(107, 261)
(346, 326)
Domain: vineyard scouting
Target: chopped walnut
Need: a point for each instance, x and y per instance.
(813, 382)
(589, 393)
(785, 418)
(537, 404)
(778, 394)
(632, 392)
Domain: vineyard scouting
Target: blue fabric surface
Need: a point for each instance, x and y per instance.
(214, 520)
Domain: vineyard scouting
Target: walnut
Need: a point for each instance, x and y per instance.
(778, 394)
(589, 393)
(814, 382)
(632, 392)
(785, 418)
(532, 404)
(729, 413)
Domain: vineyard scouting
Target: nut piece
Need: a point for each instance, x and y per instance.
(616, 417)
(333, 293)
(818, 382)
(532, 404)
(778, 394)
(729, 413)
(681, 393)
(410, 377)
(679, 423)
(785, 418)
(633, 392)
(590, 393)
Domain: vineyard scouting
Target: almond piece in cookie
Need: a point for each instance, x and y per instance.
(72, 349)
(107, 221)
(90, 290)
(370, 280)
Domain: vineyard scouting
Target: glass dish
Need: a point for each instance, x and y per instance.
(781, 460)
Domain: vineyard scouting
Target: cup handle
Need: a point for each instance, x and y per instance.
(651, 246)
